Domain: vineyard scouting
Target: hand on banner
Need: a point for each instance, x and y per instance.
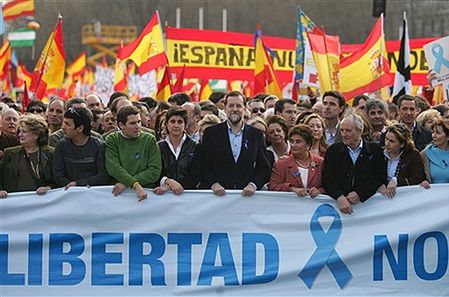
(344, 205)
(301, 192)
(141, 193)
(174, 186)
(70, 184)
(218, 189)
(249, 190)
(353, 197)
(160, 190)
(425, 184)
(313, 192)
(391, 188)
(118, 189)
(3, 194)
(42, 190)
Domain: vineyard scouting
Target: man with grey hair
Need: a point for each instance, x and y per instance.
(377, 112)
(353, 169)
(193, 117)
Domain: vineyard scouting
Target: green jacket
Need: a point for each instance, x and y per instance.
(9, 168)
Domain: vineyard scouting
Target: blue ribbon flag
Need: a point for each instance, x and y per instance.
(438, 53)
(325, 254)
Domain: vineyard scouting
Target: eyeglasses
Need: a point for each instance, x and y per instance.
(36, 110)
(73, 110)
(256, 110)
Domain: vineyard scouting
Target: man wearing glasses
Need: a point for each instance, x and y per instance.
(257, 108)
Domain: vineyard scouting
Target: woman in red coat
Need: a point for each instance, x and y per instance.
(301, 171)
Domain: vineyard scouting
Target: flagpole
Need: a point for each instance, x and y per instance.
(327, 58)
(41, 72)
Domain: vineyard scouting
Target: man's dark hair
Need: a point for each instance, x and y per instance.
(116, 95)
(35, 104)
(357, 99)
(179, 99)
(235, 94)
(441, 108)
(74, 100)
(149, 101)
(80, 116)
(210, 107)
(280, 105)
(406, 98)
(260, 96)
(335, 94)
(422, 103)
(216, 96)
(7, 100)
(124, 112)
(176, 111)
(114, 104)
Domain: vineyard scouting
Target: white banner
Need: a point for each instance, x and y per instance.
(84, 242)
(437, 55)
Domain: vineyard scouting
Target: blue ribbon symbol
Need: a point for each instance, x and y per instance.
(438, 53)
(325, 254)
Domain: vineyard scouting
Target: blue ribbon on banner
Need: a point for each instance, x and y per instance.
(325, 254)
(438, 53)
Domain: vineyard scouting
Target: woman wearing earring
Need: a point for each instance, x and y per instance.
(404, 166)
(28, 167)
(301, 171)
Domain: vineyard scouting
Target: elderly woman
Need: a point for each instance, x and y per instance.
(436, 155)
(404, 165)
(316, 124)
(301, 171)
(177, 151)
(277, 137)
(28, 167)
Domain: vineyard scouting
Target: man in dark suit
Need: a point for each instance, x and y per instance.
(354, 169)
(234, 155)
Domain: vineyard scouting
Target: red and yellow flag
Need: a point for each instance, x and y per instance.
(367, 69)
(23, 76)
(164, 89)
(50, 68)
(120, 77)
(78, 67)
(17, 8)
(326, 54)
(265, 79)
(5, 59)
(147, 51)
(205, 90)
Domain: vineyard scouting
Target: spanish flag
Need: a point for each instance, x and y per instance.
(326, 54)
(50, 68)
(120, 77)
(147, 51)
(17, 8)
(164, 89)
(205, 90)
(367, 69)
(265, 79)
(78, 67)
(5, 59)
(23, 76)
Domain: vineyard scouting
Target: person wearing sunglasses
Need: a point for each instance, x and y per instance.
(79, 157)
(36, 107)
(257, 108)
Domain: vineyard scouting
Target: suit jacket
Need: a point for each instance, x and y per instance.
(421, 137)
(410, 169)
(341, 176)
(218, 163)
(9, 166)
(285, 174)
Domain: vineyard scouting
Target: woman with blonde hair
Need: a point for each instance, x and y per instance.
(28, 167)
(316, 123)
(428, 118)
(404, 165)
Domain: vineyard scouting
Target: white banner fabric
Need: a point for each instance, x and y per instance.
(84, 242)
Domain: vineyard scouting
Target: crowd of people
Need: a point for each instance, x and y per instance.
(321, 146)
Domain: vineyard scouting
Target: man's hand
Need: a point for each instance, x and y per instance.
(160, 190)
(70, 184)
(425, 184)
(3, 194)
(353, 197)
(118, 189)
(344, 205)
(249, 190)
(42, 190)
(141, 193)
(174, 186)
(313, 192)
(218, 189)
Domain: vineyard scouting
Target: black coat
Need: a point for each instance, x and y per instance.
(218, 163)
(179, 169)
(341, 176)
